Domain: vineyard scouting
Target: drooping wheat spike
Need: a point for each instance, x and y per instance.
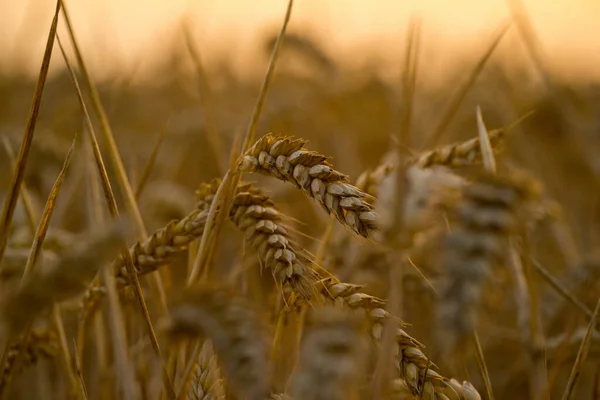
(490, 210)
(286, 158)
(207, 383)
(280, 396)
(451, 156)
(41, 344)
(66, 278)
(149, 255)
(331, 366)
(264, 227)
(413, 366)
(458, 154)
(453, 390)
(156, 250)
(252, 212)
(221, 315)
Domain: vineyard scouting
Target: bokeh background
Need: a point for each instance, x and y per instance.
(338, 84)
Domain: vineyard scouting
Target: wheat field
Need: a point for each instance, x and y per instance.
(321, 233)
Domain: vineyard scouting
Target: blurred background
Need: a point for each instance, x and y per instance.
(139, 35)
(192, 70)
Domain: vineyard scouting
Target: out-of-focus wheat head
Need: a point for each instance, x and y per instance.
(491, 208)
(285, 158)
(332, 356)
(66, 278)
(220, 315)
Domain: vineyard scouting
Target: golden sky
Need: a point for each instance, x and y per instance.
(119, 33)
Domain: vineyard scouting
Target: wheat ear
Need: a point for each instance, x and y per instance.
(40, 344)
(285, 158)
(207, 383)
(330, 358)
(451, 156)
(489, 212)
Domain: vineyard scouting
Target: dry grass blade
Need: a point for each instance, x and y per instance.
(581, 355)
(128, 386)
(76, 387)
(150, 164)
(222, 316)
(232, 177)
(19, 175)
(559, 288)
(212, 228)
(330, 357)
(260, 101)
(483, 369)
(460, 95)
(206, 101)
(487, 152)
(409, 81)
(285, 158)
(44, 224)
(489, 163)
